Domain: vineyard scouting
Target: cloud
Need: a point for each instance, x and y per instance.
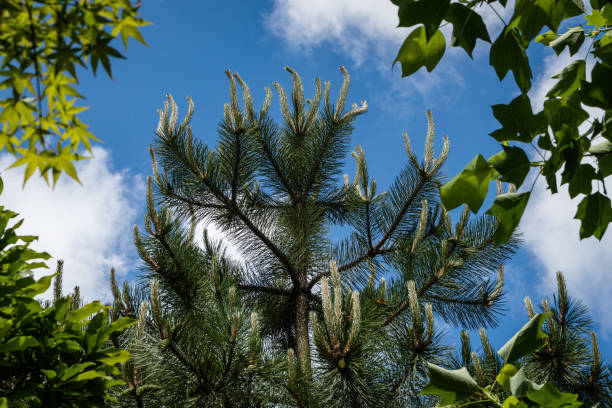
(551, 235)
(88, 226)
(354, 26)
(357, 27)
(366, 32)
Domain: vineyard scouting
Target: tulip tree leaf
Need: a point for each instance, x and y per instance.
(512, 164)
(508, 209)
(595, 214)
(470, 186)
(530, 16)
(518, 121)
(417, 52)
(572, 39)
(530, 338)
(582, 179)
(503, 378)
(430, 13)
(569, 79)
(467, 27)
(508, 54)
(452, 386)
(549, 396)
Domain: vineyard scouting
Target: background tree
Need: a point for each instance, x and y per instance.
(42, 44)
(219, 332)
(52, 355)
(584, 156)
(556, 349)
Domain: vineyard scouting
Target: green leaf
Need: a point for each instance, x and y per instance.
(603, 152)
(41, 285)
(546, 38)
(417, 52)
(467, 27)
(569, 79)
(572, 39)
(503, 378)
(595, 18)
(518, 121)
(582, 180)
(605, 164)
(520, 385)
(530, 16)
(470, 186)
(595, 213)
(75, 369)
(81, 314)
(508, 54)
(568, 112)
(88, 375)
(527, 340)
(117, 357)
(512, 401)
(550, 397)
(508, 209)
(427, 12)
(18, 343)
(598, 92)
(603, 51)
(453, 386)
(512, 164)
(50, 374)
(118, 325)
(601, 15)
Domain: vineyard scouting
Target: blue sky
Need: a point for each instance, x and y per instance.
(191, 43)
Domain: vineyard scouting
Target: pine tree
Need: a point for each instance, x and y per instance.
(569, 358)
(299, 320)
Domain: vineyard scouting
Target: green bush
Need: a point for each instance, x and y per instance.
(49, 356)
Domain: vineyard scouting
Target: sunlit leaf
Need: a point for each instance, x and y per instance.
(508, 210)
(417, 52)
(452, 386)
(470, 186)
(528, 339)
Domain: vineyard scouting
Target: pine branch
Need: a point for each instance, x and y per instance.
(267, 289)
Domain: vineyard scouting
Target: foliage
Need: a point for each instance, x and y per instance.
(457, 386)
(552, 349)
(583, 157)
(50, 356)
(42, 45)
(299, 319)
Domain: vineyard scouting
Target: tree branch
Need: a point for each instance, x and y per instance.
(266, 289)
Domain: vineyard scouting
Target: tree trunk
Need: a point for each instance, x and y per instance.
(301, 332)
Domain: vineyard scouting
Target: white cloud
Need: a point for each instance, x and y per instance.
(217, 235)
(88, 226)
(551, 235)
(354, 26)
(366, 32)
(359, 28)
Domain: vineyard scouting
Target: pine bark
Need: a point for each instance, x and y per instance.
(301, 332)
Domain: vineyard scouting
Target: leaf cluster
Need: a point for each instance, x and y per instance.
(55, 355)
(42, 45)
(548, 363)
(581, 158)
